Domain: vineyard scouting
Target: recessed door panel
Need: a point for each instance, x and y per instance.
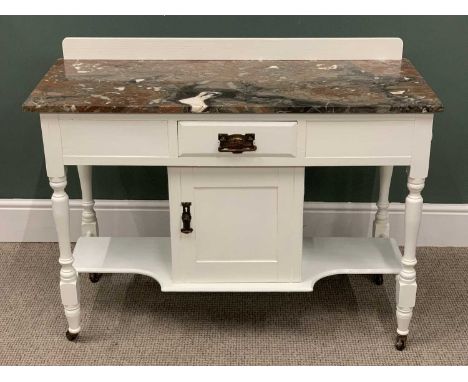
(224, 219)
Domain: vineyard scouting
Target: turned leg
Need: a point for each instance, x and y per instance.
(381, 226)
(89, 224)
(406, 280)
(69, 286)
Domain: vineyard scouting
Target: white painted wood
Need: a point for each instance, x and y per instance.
(69, 283)
(406, 281)
(322, 257)
(381, 226)
(114, 138)
(30, 220)
(173, 139)
(89, 224)
(378, 140)
(421, 146)
(98, 48)
(233, 161)
(175, 213)
(222, 247)
(359, 139)
(52, 142)
(200, 138)
(149, 256)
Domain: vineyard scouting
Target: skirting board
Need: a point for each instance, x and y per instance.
(24, 220)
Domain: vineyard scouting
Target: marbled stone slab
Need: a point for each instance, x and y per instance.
(116, 86)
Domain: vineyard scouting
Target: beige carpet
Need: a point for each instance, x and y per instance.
(126, 319)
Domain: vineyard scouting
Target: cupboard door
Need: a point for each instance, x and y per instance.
(247, 224)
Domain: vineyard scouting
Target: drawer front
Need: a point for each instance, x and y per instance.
(272, 139)
(359, 139)
(114, 138)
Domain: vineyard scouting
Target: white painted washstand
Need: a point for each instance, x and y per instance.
(236, 220)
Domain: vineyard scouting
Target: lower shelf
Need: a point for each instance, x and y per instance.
(151, 256)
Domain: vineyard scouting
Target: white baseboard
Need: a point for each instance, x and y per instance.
(30, 220)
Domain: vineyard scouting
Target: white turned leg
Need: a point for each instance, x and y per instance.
(89, 225)
(381, 226)
(406, 280)
(69, 285)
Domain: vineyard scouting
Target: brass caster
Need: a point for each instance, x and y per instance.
(95, 277)
(71, 336)
(401, 342)
(377, 279)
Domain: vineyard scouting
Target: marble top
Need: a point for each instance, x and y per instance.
(123, 86)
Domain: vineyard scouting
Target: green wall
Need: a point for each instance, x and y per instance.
(437, 45)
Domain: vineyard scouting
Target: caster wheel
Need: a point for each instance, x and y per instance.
(401, 342)
(95, 277)
(71, 336)
(377, 279)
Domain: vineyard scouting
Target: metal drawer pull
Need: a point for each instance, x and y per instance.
(236, 143)
(186, 218)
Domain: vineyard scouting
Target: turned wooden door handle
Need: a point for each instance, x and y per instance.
(236, 143)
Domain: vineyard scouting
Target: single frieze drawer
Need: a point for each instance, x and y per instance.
(224, 138)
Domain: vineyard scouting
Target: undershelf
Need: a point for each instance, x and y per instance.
(322, 257)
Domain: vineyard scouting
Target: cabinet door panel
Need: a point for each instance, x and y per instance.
(247, 224)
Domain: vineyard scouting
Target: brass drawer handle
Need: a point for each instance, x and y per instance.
(236, 143)
(186, 218)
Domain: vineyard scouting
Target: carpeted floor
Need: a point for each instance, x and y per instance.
(126, 319)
